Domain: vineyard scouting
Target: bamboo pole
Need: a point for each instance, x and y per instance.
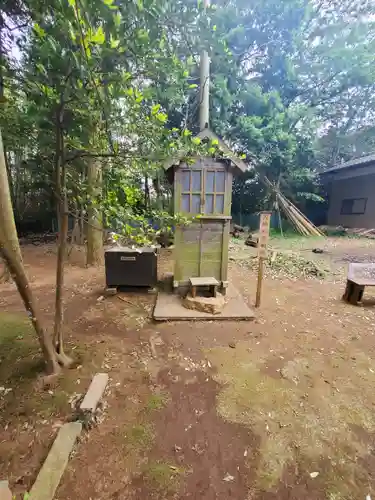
(299, 220)
(303, 219)
(302, 215)
(297, 224)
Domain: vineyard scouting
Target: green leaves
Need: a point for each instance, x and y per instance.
(39, 30)
(98, 36)
(114, 43)
(41, 68)
(117, 19)
(161, 117)
(142, 35)
(155, 109)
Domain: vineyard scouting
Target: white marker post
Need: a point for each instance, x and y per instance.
(264, 234)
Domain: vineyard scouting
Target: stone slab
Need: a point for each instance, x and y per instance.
(54, 466)
(95, 392)
(169, 307)
(211, 305)
(362, 273)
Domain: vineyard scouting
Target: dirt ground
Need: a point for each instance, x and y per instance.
(286, 411)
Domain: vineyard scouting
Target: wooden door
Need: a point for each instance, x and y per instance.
(211, 248)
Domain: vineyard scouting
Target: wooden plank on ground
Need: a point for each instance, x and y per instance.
(95, 392)
(54, 466)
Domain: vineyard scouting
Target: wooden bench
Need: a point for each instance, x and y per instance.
(359, 276)
(195, 283)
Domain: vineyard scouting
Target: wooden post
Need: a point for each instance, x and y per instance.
(259, 282)
(264, 233)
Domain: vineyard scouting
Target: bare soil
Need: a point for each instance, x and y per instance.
(187, 416)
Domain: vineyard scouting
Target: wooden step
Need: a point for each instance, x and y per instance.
(203, 281)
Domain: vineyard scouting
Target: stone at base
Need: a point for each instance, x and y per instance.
(5, 493)
(211, 305)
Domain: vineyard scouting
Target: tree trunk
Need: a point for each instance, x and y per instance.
(11, 254)
(7, 223)
(63, 217)
(82, 225)
(147, 193)
(95, 248)
(158, 190)
(75, 238)
(63, 220)
(18, 274)
(5, 275)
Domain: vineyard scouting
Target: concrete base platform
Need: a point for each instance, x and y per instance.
(169, 307)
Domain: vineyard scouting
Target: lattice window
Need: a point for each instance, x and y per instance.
(214, 191)
(207, 197)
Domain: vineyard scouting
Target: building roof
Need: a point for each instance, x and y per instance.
(358, 162)
(208, 134)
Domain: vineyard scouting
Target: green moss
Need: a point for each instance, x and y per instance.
(21, 364)
(19, 350)
(296, 419)
(139, 436)
(157, 401)
(163, 476)
(46, 404)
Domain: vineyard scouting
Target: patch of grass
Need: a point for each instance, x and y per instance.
(21, 364)
(163, 476)
(295, 418)
(46, 404)
(288, 233)
(157, 401)
(19, 350)
(140, 436)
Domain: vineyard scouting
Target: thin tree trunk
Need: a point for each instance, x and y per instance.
(20, 187)
(157, 187)
(76, 236)
(82, 225)
(10, 179)
(60, 268)
(63, 219)
(6, 211)
(18, 274)
(7, 223)
(147, 193)
(11, 254)
(95, 248)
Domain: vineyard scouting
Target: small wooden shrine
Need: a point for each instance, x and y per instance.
(203, 191)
